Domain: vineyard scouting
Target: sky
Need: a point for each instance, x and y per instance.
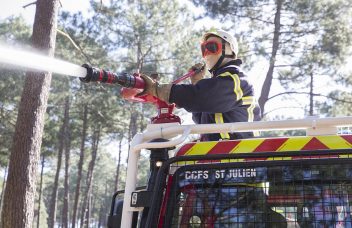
(15, 7)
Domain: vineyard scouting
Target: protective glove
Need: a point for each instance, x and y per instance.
(152, 87)
(200, 72)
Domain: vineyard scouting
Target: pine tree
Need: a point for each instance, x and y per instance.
(19, 195)
(298, 39)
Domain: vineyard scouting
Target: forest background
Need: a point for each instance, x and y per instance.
(297, 53)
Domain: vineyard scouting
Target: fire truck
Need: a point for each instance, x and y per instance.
(300, 181)
(271, 182)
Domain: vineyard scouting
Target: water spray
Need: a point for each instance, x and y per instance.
(39, 62)
(132, 84)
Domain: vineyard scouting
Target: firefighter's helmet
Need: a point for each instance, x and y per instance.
(225, 36)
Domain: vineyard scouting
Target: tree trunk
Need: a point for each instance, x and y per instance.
(118, 166)
(40, 190)
(89, 208)
(269, 75)
(3, 187)
(19, 195)
(53, 201)
(88, 192)
(67, 136)
(101, 215)
(80, 165)
(140, 56)
(133, 126)
(104, 208)
(142, 124)
(311, 94)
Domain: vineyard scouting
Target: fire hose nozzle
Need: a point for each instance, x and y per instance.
(89, 75)
(99, 75)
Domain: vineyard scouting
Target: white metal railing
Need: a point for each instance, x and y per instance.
(312, 126)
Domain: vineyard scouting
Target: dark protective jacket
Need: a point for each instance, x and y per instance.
(226, 97)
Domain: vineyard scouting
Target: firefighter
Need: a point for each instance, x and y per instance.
(225, 97)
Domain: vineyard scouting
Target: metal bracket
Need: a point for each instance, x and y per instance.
(141, 199)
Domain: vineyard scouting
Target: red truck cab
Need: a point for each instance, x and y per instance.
(298, 181)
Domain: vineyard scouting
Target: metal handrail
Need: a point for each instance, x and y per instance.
(314, 125)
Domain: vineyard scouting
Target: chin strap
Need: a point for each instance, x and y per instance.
(222, 57)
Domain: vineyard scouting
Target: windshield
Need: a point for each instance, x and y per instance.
(276, 196)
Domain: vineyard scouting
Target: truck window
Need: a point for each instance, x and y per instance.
(286, 195)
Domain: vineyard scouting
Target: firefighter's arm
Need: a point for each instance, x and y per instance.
(152, 87)
(162, 91)
(211, 95)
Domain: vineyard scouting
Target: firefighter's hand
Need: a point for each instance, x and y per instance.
(152, 87)
(200, 72)
(149, 87)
